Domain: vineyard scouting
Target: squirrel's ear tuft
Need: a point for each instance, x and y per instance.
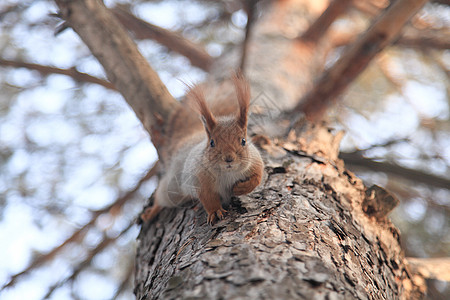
(197, 99)
(243, 96)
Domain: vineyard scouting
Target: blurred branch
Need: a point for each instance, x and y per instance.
(445, 2)
(383, 63)
(47, 70)
(196, 54)
(77, 235)
(334, 81)
(321, 25)
(384, 145)
(356, 159)
(250, 7)
(42, 259)
(114, 207)
(124, 65)
(442, 67)
(406, 194)
(222, 18)
(432, 268)
(11, 8)
(421, 39)
(370, 8)
(87, 261)
(424, 40)
(125, 282)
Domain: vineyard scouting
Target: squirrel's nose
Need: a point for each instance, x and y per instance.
(228, 159)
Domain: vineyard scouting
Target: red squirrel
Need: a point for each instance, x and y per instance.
(212, 163)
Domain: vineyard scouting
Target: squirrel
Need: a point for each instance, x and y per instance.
(212, 162)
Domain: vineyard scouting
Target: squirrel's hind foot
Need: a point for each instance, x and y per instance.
(212, 215)
(150, 213)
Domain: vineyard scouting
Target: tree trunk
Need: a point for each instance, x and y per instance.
(301, 234)
(310, 230)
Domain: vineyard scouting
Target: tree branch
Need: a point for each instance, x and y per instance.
(47, 70)
(250, 7)
(421, 39)
(196, 54)
(12, 8)
(321, 25)
(356, 159)
(124, 65)
(370, 8)
(77, 235)
(106, 241)
(443, 2)
(382, 33)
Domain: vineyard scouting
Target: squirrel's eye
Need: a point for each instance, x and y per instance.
(243, 142)
(212, 143)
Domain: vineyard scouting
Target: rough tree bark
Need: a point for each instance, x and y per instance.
(311, 230)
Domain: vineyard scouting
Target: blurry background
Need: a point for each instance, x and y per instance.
(75, 161)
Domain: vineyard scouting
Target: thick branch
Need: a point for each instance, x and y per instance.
(196, 54)
(356, 159)
(321, 25)
(382, 33)
(47, 70)
(125, 67)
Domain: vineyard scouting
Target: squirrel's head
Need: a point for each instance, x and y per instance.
(227, 145)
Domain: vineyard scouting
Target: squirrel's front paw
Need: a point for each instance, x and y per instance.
(243, 187)
(212, 215)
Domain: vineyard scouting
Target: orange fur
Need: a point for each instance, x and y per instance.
(196, 94)
(243, 96)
